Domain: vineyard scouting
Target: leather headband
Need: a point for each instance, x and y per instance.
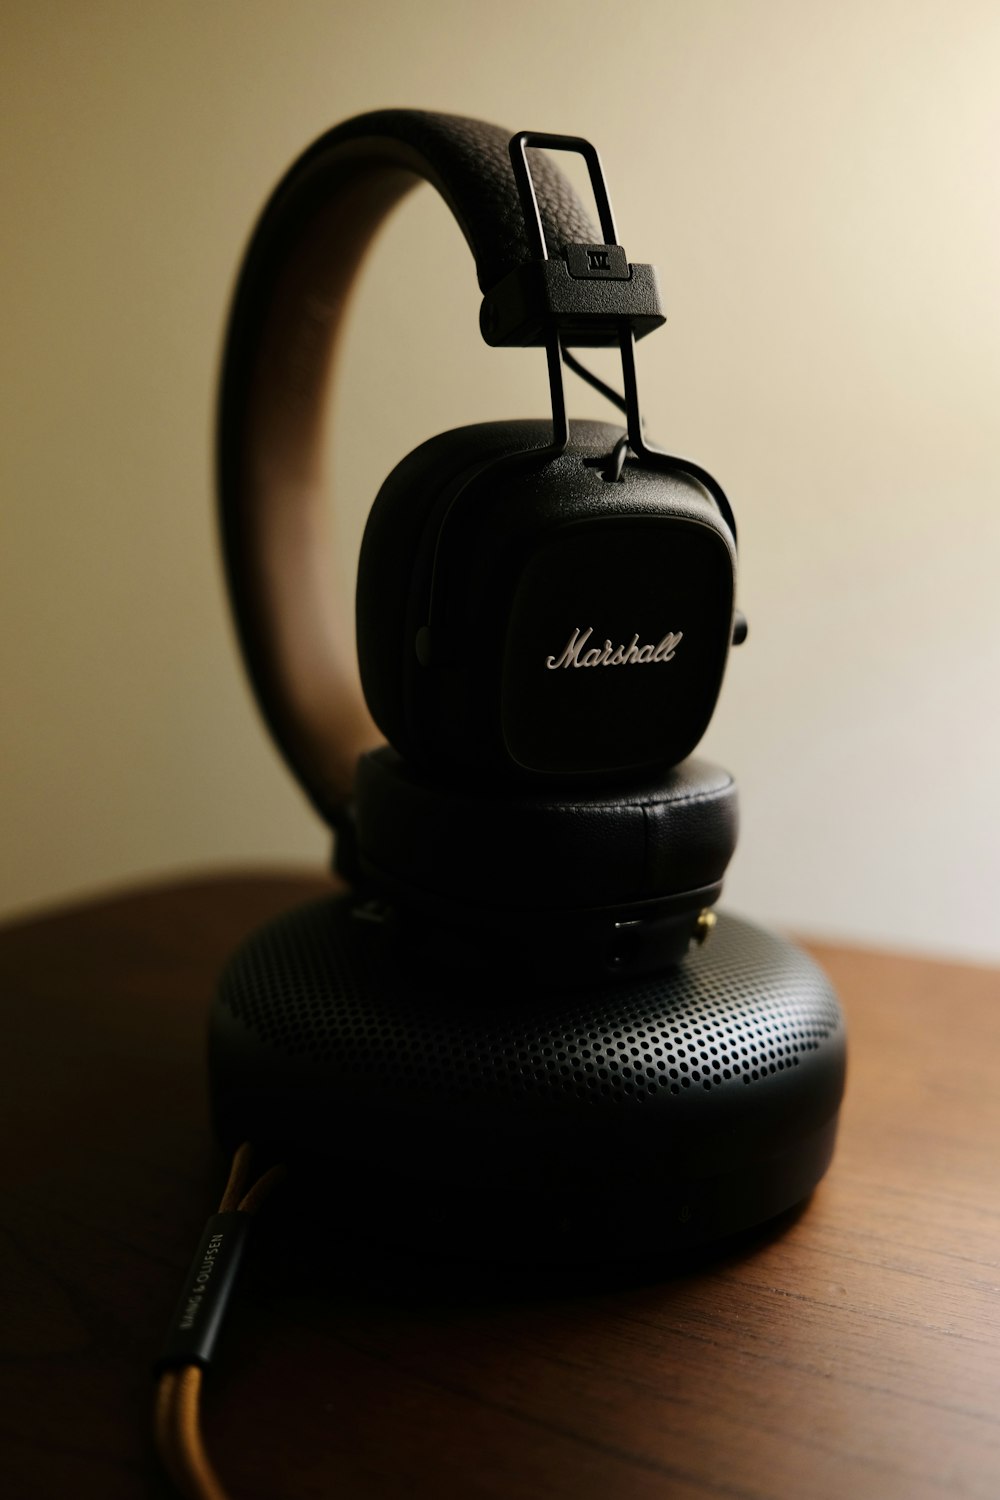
(277, 364)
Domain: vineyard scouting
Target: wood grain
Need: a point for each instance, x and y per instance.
(851, 1351)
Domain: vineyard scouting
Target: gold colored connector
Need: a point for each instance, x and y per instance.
(704, 926)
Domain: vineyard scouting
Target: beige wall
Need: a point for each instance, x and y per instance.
(818, 184)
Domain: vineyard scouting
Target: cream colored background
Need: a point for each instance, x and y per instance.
(818, 185)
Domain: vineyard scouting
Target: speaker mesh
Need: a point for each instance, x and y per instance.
(318, 985)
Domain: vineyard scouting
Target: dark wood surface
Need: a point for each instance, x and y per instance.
(852, 1352)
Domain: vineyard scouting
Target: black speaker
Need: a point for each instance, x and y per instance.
(511, 1122)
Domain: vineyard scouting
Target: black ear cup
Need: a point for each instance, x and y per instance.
(524, 818)
(585, 885)
(527, 619)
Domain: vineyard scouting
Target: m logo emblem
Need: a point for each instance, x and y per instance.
(597, 260)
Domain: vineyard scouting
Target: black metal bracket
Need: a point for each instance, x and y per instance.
(589, 298)
(585, 299)
(585, 295)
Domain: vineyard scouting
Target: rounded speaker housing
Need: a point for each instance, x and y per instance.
(527, 1122)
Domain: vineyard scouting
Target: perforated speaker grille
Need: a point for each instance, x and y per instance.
(318, 987)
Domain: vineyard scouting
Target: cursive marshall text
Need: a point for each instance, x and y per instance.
(577, 654)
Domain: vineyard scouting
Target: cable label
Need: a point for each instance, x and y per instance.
(206, 1292)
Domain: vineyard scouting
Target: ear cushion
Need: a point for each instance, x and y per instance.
(393, 581)
(662, 837)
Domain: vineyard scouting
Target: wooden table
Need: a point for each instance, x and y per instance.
(853, 1353)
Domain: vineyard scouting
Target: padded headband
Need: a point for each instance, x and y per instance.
(283, 328)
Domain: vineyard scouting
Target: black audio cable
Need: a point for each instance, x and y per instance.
(194, 1330)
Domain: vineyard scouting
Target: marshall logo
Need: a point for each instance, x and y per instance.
(576, 653)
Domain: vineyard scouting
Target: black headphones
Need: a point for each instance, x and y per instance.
(544, 608)
(544, 614)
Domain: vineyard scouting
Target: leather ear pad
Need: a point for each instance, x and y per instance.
(418, 487)
(663, 836)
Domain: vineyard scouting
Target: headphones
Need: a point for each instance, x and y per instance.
(544, 607)
(544, 613)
